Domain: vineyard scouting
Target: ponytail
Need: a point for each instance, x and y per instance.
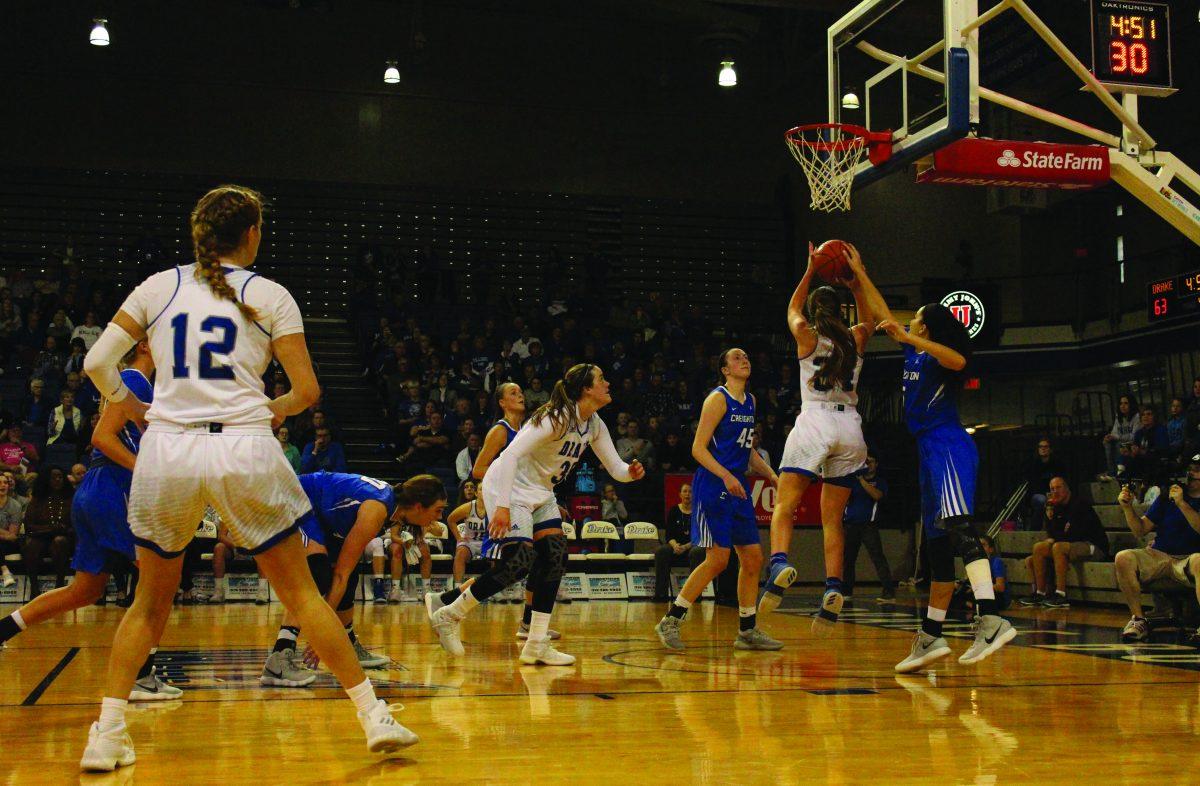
(561, 409)
(218, 222)
(423, 490)
(825, 314)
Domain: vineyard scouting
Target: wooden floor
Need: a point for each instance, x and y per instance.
(1065, 703)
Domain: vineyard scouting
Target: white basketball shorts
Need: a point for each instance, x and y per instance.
(826, 442)
(473, 547)
(526, 516)
(241, 472)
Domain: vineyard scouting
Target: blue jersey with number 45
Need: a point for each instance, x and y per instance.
(335, 498)
(730, 443)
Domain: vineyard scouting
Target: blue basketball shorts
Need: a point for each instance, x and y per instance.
(718, 517)
(99, 514)
(949, 466)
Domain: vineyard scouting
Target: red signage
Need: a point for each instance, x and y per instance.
(762, 494)
(1004, 163)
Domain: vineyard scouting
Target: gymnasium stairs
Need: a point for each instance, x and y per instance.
(353, 406)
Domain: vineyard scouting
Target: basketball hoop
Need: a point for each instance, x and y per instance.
(830, 153)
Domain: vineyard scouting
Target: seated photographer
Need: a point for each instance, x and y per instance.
(1174, 555)
(1073, 534)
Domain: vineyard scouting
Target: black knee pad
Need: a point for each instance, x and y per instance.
(941, 559)
(966, 540)
(347, 600)
(322, 572)
(552, 551)
(537, 572)
(514, 565)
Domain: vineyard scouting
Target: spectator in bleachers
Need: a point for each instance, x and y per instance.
(1177, 435)
(38, 404)
(442, 393)
(1192, 413)
(1073, 534)
(860, 523)
(1153, 444)
(430, 446)
(11, 513)
(466, 457)
(1123, 427)
(632, 447)
(536, 394)
(60, 328)
(674, 455)
(323, 453)
(65, 423)
(73, 364)
(75, 476)
(290, 451)
(658, 399)
(48, 363)
(461, 413)
(612, 508)
(677, 547)
(88, 331)
(1044, 466)
(16, 455)
(1173, 556)
(48, 528)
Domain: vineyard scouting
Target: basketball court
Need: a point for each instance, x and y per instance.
(1066, 701)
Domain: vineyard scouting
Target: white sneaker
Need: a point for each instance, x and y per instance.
(396, 595)
(446, 625)
(925, 650)
(991, 633)
(107, 750)
(151, 688)
(433, 602)
(6, 577)
(282, 671)
(218, 595)
(535, 652)
(263, 595)
(523, 633)
(384, 734)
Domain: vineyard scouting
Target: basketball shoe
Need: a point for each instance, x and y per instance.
(107, 750)
(782, 576)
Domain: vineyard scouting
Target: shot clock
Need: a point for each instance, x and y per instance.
(1131, 46)
(1178, 296)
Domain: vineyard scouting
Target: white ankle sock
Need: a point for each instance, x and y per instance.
(463, 604)
(979, 573)
(17, 618)
(363, 695)
(112, 713)
(539, 624)
(937, 615)
(683, 602)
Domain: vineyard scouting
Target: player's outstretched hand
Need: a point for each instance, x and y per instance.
(854, 260)
(636, 470)
(734, 487)
(811, 249)
(499, 524)
(893, 329)
(311, 658)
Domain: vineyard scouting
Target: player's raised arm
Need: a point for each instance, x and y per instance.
(797, 323)
(866, 295)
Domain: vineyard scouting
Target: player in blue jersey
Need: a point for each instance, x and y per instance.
(722, 513)
(936, 352)
(103, 542)
(347, 512)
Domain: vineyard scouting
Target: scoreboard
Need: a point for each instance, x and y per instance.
(1131, 46)
(1178, 296)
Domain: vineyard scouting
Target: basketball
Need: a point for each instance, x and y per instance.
(829, 261)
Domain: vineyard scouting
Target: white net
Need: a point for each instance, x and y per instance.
(829, 156)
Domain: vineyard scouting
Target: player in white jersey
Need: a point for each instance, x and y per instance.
(523, 515)
(212, 327)
(467, 525)
(827, 441)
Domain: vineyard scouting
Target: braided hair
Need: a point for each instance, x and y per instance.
(218, 222)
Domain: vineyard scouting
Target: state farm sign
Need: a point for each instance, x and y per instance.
(1004, 163)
